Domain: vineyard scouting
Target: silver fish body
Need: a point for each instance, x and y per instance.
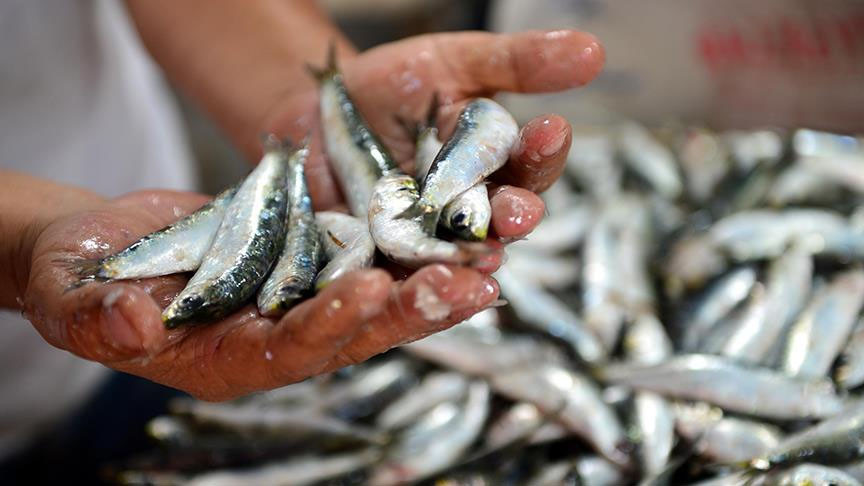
(722, 439)
(403, 239)
(570, 399)
(753, 391)
(356, 154)
(347, 245)
(177, 248)
(597, 471)
(434, 389)
(810, 474)
(244, 249)
(850, 372)
(645, 340)
(817, 337)
(650, 159)
(603, 313)
(655, 421)
(705, 161)
(717, 302)
(480, 145)
(548, 271)
(293, 276)
(561, 230)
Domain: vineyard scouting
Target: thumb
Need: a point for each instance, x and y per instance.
(525, 62)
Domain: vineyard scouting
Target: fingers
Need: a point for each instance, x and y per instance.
(433, 299)
(251, 353)
(539, 156)
(515, 212)
(527, 62)
(166, 206)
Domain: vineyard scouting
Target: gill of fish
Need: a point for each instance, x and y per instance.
(293, 277)
(356, 154)
(176, 248)
(546, 313)
(436, 387)
(572, 400)
(468, 214)
(754, 391)
(850, 371)
(723, 296)
(480, 145)
(427, 449)
(786, 290)
(818, 336)
(347, 245)
(244, 249)
(650, 159)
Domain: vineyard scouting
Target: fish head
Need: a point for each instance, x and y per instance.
(183, 310)
(466, 226)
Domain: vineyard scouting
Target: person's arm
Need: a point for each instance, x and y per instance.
(237, 58)
(27, 205)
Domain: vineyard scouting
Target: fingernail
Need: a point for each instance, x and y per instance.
(554, 144)
(118, 331)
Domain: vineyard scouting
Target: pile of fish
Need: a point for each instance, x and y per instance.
(690, 312)
(261, 236)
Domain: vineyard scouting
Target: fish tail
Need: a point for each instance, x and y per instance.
(330, 68)
(85, 269)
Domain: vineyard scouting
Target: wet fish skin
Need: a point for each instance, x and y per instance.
(656, 424)
(356, 154)
(731, 386)
(807, 474)
(403, 239)
(603, 314)
(293, 276)
(479, 146)
(723, 296)
(244, 249)
(436, 387)
(722, 439)
(817, 337)
(347, 245)
(850, 371)
(176, 248)
(650, 159)
(597, 471)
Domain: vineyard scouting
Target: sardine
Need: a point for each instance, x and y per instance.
(480, 145)
(517, 423)
(347, 244)
(705, 162)
(356, 154)
(177, 248)
(434, 389)
(542, 270)
(649, 158)
(545, 313)
(850, 370)
(554, 474)
(244, 249)
(809, 474)
(755, 147)
(293, 277)
(646, 341)
(423, 450)
(561, 230)
(655, 422)
(818, 336)
(722, 439)
(753, 391)
(596, 471)
(570, 399)
(717, 302)
(603, 314)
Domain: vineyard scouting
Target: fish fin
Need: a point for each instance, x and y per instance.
(87, 270)
(331, 67)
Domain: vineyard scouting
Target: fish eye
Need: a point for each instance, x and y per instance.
(192, 301)
(459, 220)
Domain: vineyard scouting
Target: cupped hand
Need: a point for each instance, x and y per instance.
(360, 315)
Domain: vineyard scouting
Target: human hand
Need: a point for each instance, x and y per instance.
(362, 314)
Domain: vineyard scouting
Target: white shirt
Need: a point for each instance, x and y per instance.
(82, 104)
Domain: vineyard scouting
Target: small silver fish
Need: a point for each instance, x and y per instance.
(552, 474)
(435, 388)
(591, 161)
(818, 336)
(561, 230)
(597, 471)
(347, 244)
(717, 302)
(754, 391)
(571, 399)
(655, 421)
(722, 439)
(356, 154)
(810, 474)
(403, 239)
(705, 162)
(293, 277)
(602, 311)
(176, 248)
(244, 249)
(480, 145)
(650, 159)
(540, 269)
(752, 148)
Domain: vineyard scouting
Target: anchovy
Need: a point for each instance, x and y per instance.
(596, 471)
(850, 371)
(751, 148)
(817, 337)
(603, 314)
(517, 423)
(356, 154)
(753, 391)
(691, 261)
(561, 230)
(788, 285)
(347, 245)
(293, 277)
(434, 389)
(425, 450)
(845, 170)
(722, 439)
(542, 270)
(177, 248)
(403, 239)
(244, 248)
(798, 184)
(591, 161)
(479, 146)
(650, 159)
(807, 474)
(832, 442)
(468, 214)
(570, 399)
(545, 313)
(705, 161)
(717, 302)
